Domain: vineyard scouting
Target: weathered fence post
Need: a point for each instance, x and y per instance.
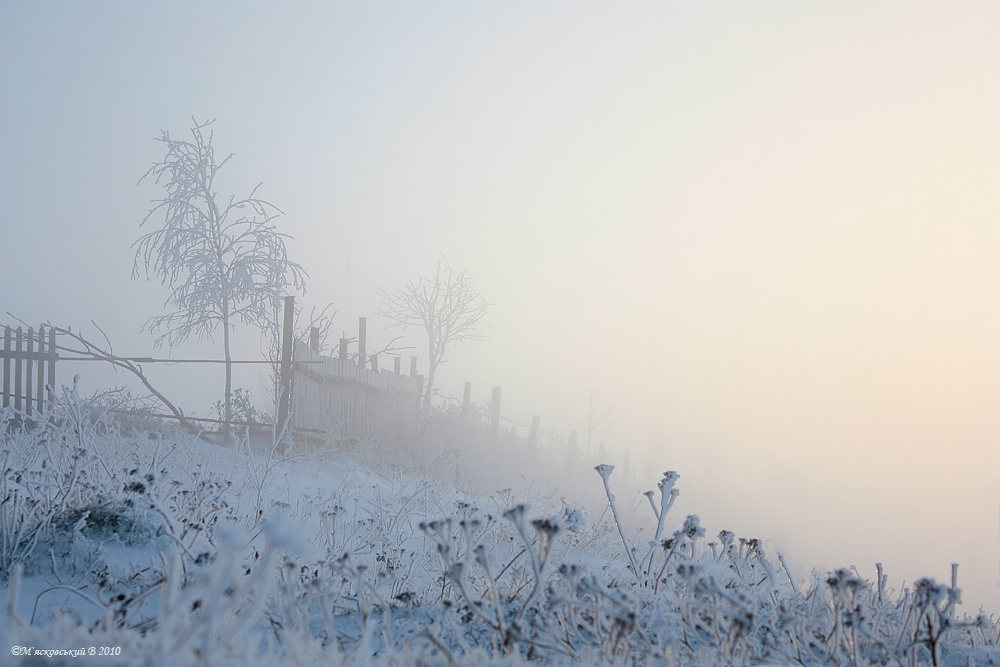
(495, 413)
(533, 433)
(53, 355)
(314, 339)
(571, 455)
(466, 400)
(285, 372)
(362, 345)
(413, 367)
(395, 365)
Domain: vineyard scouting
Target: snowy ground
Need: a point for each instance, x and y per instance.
(123, 547)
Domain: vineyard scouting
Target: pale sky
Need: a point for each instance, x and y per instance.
(769, 231)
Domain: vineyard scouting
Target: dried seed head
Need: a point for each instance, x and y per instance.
(604, 470)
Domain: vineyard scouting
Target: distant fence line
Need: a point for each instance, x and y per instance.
(343, 398)
(535, 441)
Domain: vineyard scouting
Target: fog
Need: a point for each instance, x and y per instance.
(765, 235)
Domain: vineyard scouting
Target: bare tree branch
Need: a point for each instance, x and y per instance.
(88, 349)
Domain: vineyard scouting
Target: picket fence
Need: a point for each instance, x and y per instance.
(29, 363)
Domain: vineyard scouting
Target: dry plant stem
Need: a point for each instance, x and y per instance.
(791, 580)
(881, 582)
(97, 603)
(667, 496)
(455, 573)
(516, 517)
(604, 470)
(666, 502)
(656, 511)
(659, 576)
(481, 559)
(14, 526)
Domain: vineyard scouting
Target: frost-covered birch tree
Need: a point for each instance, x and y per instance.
(225, 263)
(446, 306)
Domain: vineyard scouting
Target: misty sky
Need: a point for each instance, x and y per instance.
(768, 232)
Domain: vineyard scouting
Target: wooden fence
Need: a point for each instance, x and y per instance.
(332, 397)
(562, 447)
(29, 363)
(346, 401)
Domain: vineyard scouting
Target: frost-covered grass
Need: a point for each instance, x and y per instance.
(182, 552)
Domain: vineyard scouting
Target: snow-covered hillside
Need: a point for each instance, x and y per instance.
(142, 546)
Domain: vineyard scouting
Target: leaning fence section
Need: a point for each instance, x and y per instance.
(344, 401)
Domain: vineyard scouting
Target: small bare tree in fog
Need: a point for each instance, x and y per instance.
(225, 263)
(597, 421)
(448, 308)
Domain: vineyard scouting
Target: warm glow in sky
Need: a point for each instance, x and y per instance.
(769, 231)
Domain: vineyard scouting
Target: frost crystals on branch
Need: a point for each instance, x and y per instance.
(224, 264)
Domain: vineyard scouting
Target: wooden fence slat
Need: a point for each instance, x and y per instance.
(285, 370)
(6, 365)
(53, 355)
(28, 360)
(18, 351)
(362, 345)
(40, 380)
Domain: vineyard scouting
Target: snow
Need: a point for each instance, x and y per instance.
(160, 548)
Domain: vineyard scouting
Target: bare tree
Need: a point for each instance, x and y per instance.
(597, 421)
(224, 264)
(448, 308)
